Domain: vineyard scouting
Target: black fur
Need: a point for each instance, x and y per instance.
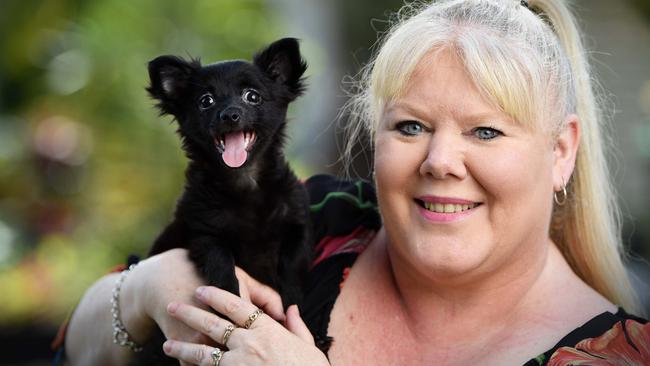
(255, 215)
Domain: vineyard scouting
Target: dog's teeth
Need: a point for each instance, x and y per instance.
(248, 138)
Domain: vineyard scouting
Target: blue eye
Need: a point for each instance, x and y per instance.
(486, 133)
(409, 128)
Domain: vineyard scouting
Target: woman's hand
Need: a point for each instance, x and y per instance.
(144, 295)
(157, 286)
(265, 342)
(156, 281)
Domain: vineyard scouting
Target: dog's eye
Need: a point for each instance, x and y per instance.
(206, 101)
(251, 96)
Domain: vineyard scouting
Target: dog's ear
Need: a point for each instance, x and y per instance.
(170, 77)
(281, 60)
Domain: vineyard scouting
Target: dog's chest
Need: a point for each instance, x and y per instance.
(247, 214)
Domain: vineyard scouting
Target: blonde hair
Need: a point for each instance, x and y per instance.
(531, 63)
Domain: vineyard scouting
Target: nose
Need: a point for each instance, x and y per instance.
(445, 157)
(230, 114)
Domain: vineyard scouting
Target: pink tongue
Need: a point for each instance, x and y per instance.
(235, 153)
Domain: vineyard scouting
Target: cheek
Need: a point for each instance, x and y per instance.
(395, 161)
(396, 164)
(499, 176)
(519, 189)
(515, 171)
(382, 161)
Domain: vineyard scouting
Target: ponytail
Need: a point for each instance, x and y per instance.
(587, 229)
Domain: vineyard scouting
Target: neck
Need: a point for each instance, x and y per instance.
(470, 301)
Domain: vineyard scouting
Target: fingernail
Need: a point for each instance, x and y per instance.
(167, 347)
(172, 307)
(200, 291)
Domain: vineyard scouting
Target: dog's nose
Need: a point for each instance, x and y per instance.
(231, 114)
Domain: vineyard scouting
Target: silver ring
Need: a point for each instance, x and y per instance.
(226, 335)
(216, 356)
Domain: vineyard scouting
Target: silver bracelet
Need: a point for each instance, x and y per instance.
(120, 335)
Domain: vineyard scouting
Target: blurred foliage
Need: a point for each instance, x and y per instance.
(88, 171)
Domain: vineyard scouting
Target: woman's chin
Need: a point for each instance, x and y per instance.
(446, 265)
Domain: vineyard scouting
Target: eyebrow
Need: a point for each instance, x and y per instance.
(459, 114)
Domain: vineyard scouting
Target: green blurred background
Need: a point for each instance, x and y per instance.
(89, 173)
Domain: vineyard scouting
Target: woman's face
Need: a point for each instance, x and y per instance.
(462, 188)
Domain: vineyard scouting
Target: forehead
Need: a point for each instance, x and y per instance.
(234, 73)
(439, 84)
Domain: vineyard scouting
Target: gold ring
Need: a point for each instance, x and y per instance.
(252, 318)
(216, 356)
(227, 333)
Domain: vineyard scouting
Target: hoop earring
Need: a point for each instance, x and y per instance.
(562, 201)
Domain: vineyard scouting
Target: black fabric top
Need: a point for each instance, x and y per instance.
(345, 219)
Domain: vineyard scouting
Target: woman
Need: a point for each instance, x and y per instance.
(499, 239)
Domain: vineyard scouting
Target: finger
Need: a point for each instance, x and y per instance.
(231, 306)
(243, 277)
(194, 354)
(266, 298)
(297, 326)
(205, 322)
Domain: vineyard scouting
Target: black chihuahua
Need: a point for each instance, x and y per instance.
(242, 204)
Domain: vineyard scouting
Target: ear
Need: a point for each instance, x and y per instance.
(170, 76)
(566, 151)
(282, 62)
